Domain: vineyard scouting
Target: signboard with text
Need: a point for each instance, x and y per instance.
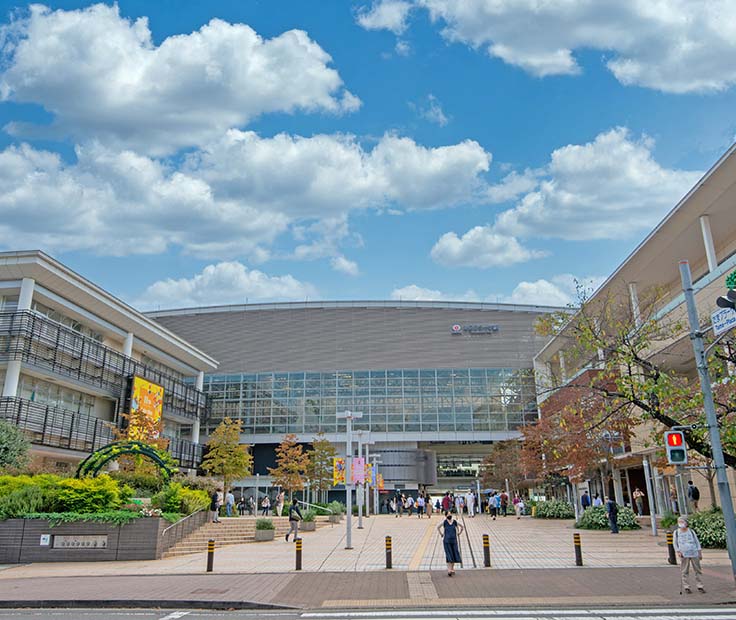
(358, 470)
(723, 320)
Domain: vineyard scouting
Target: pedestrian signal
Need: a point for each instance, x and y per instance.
(674, 443)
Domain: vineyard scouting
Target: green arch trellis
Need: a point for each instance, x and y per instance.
(92, 465)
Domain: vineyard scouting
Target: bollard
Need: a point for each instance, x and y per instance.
(210, 554)
(534, 511)
(298, 554)
(486, 551)
(578, 550)
(672, 558)
(389, 562)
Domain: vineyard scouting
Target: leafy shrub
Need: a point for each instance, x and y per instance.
(23, 500)
(90, 495)
(193, 500)
(14, 446)
(337, 508)
(669, 520)
(175, 498)
(595, 518)
(555, 509)
(199, 483)
(117, 517)
(309, 516)
(265, 524)
(143, 484)
(8, 484)
(710, 527)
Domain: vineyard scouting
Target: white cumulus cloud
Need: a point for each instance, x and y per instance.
(560, 290)
(344, 265)
(224, 283)
(481, 247)
(412, 292)
(102, 76)
(609, 188)
(385, 15)
(677, 46)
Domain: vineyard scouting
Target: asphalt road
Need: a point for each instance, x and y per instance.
(682, 613)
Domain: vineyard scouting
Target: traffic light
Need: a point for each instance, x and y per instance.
(728, 300)
(674, 443)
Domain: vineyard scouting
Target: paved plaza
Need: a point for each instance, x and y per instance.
(515, 544)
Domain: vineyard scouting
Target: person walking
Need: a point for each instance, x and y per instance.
(673, 499)
(241, 506)
(504, 503)
(446, 502)
(265, 506)
(459, 505)
(410, 504)
(295, 515)
(518, 506)
(693, 494)
(470, 503)
(612, 512)
(251, 506)
(449, 530)
(585, 501)
(280, 504)
(428, 506)
(638, 496)
(688, 547)
(229, 503)
(215, 505)
(420, 506)
(597, 501)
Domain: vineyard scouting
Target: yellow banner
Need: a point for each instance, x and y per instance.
(379, 481)
(338, 471)
(146, 403)
(369, 474)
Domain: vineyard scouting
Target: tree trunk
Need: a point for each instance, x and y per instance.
(709, 475)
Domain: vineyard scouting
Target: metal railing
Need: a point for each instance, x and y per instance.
(35, 339)
(61, 428)
(183, 527)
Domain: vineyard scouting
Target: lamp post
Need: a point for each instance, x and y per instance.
(376, 459)
(349, 416)
(359, 488)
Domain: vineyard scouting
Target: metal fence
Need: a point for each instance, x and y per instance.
(35, 339)
(60, 428)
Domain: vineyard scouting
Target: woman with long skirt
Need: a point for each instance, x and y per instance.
(449, 531)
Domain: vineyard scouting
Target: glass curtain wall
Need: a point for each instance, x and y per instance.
(394, 401)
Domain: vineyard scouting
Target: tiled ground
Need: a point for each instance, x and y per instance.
(525, 543)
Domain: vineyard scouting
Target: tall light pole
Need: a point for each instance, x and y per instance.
(696, 335)
(376, 458)
(367, 442)
(349, 416)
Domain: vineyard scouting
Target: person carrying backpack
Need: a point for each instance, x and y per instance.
(295, 515)
(693, 494)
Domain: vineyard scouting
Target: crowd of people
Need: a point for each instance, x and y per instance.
(496, 504)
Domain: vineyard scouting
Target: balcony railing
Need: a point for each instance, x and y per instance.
(35, 339)
(60, 428)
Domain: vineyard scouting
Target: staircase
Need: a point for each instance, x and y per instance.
(230, 531)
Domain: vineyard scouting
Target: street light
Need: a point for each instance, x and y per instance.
(349, 416)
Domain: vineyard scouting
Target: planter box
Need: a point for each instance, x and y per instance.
(334, 518)
(308, 526)
(33, 540)
(263, 535)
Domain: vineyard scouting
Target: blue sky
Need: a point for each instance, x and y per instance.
(416, 149)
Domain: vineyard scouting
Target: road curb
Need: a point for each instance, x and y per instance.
(129, 604)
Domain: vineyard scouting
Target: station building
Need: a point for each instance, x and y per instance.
(69, 352)
(437, 383)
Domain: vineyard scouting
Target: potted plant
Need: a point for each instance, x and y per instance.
(264, 530)
(308, 523)
(337, 510)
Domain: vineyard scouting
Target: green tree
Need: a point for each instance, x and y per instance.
(14, 446)
(226, 456)
(291, 465)
(503, 463)
(319, 467)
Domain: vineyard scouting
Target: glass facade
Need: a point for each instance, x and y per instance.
(393, 401)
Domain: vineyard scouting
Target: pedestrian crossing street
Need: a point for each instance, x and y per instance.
(674, 613)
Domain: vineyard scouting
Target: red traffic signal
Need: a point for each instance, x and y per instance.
(674, 443)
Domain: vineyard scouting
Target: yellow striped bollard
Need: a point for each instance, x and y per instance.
(298, 554)
(486, 551)
(210, 554)
(671, 557)
(578, 549)
(389, 562)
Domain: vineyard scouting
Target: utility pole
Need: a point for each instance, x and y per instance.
(650, 495)
(359, 488)
(349, 417)
(701, 362)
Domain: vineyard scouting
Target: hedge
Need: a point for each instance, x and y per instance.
(554, 509)
(596, 518)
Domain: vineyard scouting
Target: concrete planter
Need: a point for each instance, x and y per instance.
(263, 535)
(334, 518)
(33, 540)
(308, 526)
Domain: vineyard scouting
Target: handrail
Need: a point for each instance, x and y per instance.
(315, 506)
(189, 516)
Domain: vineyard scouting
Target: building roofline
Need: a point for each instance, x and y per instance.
(54, 267)
(303, 305)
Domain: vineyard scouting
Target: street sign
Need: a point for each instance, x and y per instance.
(723, 320)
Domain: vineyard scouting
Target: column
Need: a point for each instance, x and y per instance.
(195, 431)
(710, 249)
(634, 296)
(12, 374)
(617, 489)
(25, 299)
(563, 369)
(199, 384)
(128, 345)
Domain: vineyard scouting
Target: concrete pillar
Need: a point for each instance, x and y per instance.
(195, 431)
(12, 376)
(634, 297)
(128, 345)
(617, 489)
(563, 369)
(710, 249)
(200, 380)
(25, 299)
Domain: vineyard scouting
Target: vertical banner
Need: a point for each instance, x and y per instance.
(146, 407)
(369, 474)
(358, 470)
(379, 481)
(338, 471)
